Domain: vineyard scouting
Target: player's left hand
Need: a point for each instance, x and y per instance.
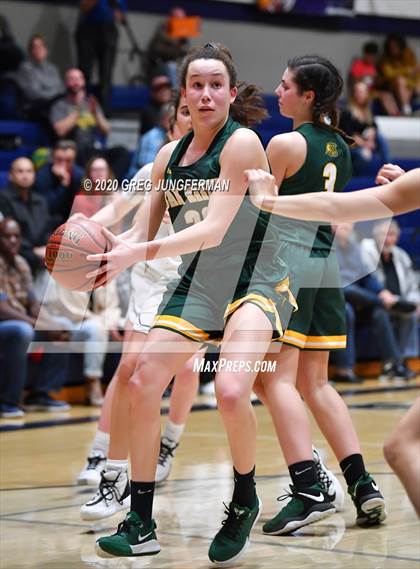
(388, 173)
(121, 256)
(261, 184)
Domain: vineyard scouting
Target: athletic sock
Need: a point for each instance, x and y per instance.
(303, 474)
(353, 468)
(100, 444)
(142, 499)
(244, 493)
(173, 432)
(116, 465)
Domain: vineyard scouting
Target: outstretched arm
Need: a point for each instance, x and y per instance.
(399, 196)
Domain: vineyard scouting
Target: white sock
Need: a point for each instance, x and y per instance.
(173, 431)
(114, 467)
(100, 443)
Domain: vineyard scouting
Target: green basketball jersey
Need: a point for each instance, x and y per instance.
(327, 167)
(187, 192)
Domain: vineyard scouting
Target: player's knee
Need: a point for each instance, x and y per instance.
(187, 374)
(308, 386)
(230, 395)
(126, 368)
(145, 383)
(391, 450)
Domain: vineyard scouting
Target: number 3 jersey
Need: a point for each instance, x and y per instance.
(327, 167)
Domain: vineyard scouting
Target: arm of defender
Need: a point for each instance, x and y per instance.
(399, 196)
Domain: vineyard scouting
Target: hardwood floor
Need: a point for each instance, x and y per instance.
(41, 526)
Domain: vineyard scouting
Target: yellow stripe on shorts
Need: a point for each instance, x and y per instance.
(314, 342)
(182, 326)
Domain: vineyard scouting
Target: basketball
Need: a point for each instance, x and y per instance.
(67, 248)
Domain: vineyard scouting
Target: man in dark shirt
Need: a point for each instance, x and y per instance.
(18, 316)
(59, 181)
(29, 209)
(97, 38)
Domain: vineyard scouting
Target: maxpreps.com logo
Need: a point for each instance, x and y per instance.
(331, 149)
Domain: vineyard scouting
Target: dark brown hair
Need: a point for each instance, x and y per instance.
(65, 144)
(248, 107)
(173, 105)
(317, 74)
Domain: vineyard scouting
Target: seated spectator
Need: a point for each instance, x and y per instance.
(39, 80)
(365, 68)
(91, 319)
(79, 117)
(89, 202)
(164, 51)
(357, 121)
(19, 310)
(30, 210)
(399, 74)
(368, 301)
(392, 266)
(150, 143)
(160, 95)
(59, 181)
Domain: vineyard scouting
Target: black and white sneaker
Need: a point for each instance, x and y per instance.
(397, 371)
(113, 496)
(369, 502)
(91, 473)
(166, 456)
(329, 482)
(304, 507)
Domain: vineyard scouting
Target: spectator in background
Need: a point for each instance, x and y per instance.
(357, 121)
(164, 51)
(150, 143)
(39, 80)
(367, 300)
(19, 311)
(399, 74)
(160, 95)
(90, 318)
(30, 210)
(99, 173)
(365, 68)
(392, 266)
(96, 41)
(78, 116)
(59, 181)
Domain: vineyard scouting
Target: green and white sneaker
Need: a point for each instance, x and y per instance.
(132, 539)
(369, 502)
(232, 540)
(305, 507)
